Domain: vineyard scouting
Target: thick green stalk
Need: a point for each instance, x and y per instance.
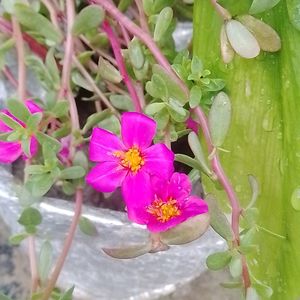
(264, 139)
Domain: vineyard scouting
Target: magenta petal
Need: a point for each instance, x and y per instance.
(137, 130)
(156, 226)
(106, 177)
(180, 186)
(103, 144)
(33, 107)
(194, 206)
(138, 195)
(159, 161)
(9, 151)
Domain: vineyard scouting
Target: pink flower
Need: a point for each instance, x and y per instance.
(168, 203)
(128, 162)
(11, 151)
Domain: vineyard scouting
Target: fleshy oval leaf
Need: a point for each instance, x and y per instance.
(219, 118)
(196, 148)
(163, 22)
(88, 19)
(128, 252)
(108, 71)
(267, 38)
(295, 199)
(136, 55)
(218, 220)
(254, 188)
(187, 231)
(218, 260)
(259, 6)
(227, 51)
(241, 39)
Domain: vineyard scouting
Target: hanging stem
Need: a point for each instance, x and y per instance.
(118, 55)
(67, 245)
(217, 168)
(17, 34)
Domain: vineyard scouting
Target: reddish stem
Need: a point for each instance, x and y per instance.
(217, 168)
(67, 245)
(143, 36)
(245, 273)
(118, 55)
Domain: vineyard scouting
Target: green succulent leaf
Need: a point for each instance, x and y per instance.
(18, 109)
(16, 239)
(94, 119)
(37, 23)
(153, 108)
(68, 295)
(195, 96)
(30, 217)
(218, 220)
(136, 54)
(45, 260)
(87, 227)
(219, 118)
(74, 172)
(122, 102)
(218, 260)
(196, 148)
(259, 6)
(108, 72)
(88, 19)
(164, 20)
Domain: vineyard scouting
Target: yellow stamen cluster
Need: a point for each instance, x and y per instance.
(131, 159)
(164, 211)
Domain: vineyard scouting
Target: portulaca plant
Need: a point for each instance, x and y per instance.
(240, 111)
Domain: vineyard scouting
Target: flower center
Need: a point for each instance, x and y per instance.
(164, 211)
(131, 159)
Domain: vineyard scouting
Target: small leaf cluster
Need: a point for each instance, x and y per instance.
(202, 85)
(167, 104)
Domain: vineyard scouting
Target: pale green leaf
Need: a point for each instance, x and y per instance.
(45, 260)
(218, 260)
(37, 23)
(88, 19)
(219, 118)
(163, 22)
(87, 227)
(259, 6)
